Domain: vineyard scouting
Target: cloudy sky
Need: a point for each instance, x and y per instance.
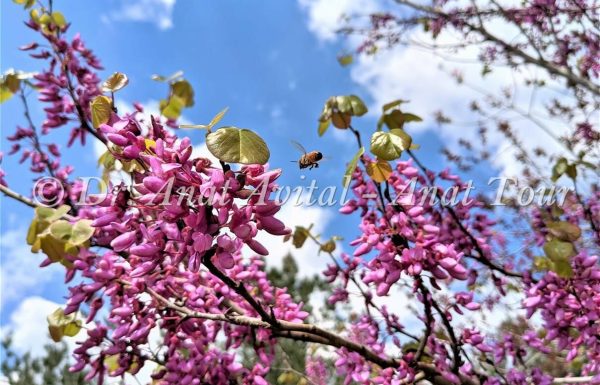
(272, 62)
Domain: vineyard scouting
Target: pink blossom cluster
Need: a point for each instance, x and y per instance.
(570, 309)
(173, 283)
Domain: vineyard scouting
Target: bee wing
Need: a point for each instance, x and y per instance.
(299, 146)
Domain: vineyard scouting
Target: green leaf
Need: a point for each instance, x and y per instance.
(351, 167)
(556, 250)
(571, 171)
(25, 3)
(357, 106)
(235, 145)
(379, 171)
(559, 169)
(562, 267)
(82, 231)
(60, 325)
(61, 230)
(217, 118)
(392, 104)
(52, 247)
(389, 145)
(12, 82)
(45, 19)
(542, 263)
(411, 118)
(49, 214)
(183, 90)
(329, 246)
(351, 105)
(115, 82)
(111, 362)
(300, 236)
(59, 19)
(5, 93)
(323, 126)
(101, 108)
(171, 109)
(564, 231)
(345, 60)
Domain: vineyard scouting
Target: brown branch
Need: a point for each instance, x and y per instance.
(305, 333)
(540, 62)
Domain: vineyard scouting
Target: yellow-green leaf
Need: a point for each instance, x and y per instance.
(565, 231)
(171, 109)
(323, 126)
(562, 267)
(379, 171)
(49, 214)
(345, 60)
(45, 19)
(556, 249)
(392, 104)
(237, 145)
(52, 247)
(101, 108)
(59, 19)
(32, 232)
(218, 117)
(111, 362)
(81, 232)
(389, 145)
(559, 168)
(60, 325)
(5, 93)
(12, 82)
(61, 230)
(184, 91)
(300, 236)
(115, 82)
(351, 167)
(329, 246)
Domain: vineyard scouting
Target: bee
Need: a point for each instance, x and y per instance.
(308, 159)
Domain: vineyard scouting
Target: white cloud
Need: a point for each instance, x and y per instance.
(201, 151)
(159, 12)
(29, 330)
(308, 258)
(415, 73)
(324, 16)
(29, 327)
(19, 271)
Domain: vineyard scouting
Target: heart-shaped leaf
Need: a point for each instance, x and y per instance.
(81, 232)
(115, 82)
(389, 145)
(101, 108)
(557, 250)
(237, 145)
(184, 91)
(379, 171)
(61, 230)
(565, 231)
(60, 325)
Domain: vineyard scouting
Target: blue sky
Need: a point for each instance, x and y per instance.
(272, 62)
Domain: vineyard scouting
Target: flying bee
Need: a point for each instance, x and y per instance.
(308, 159)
